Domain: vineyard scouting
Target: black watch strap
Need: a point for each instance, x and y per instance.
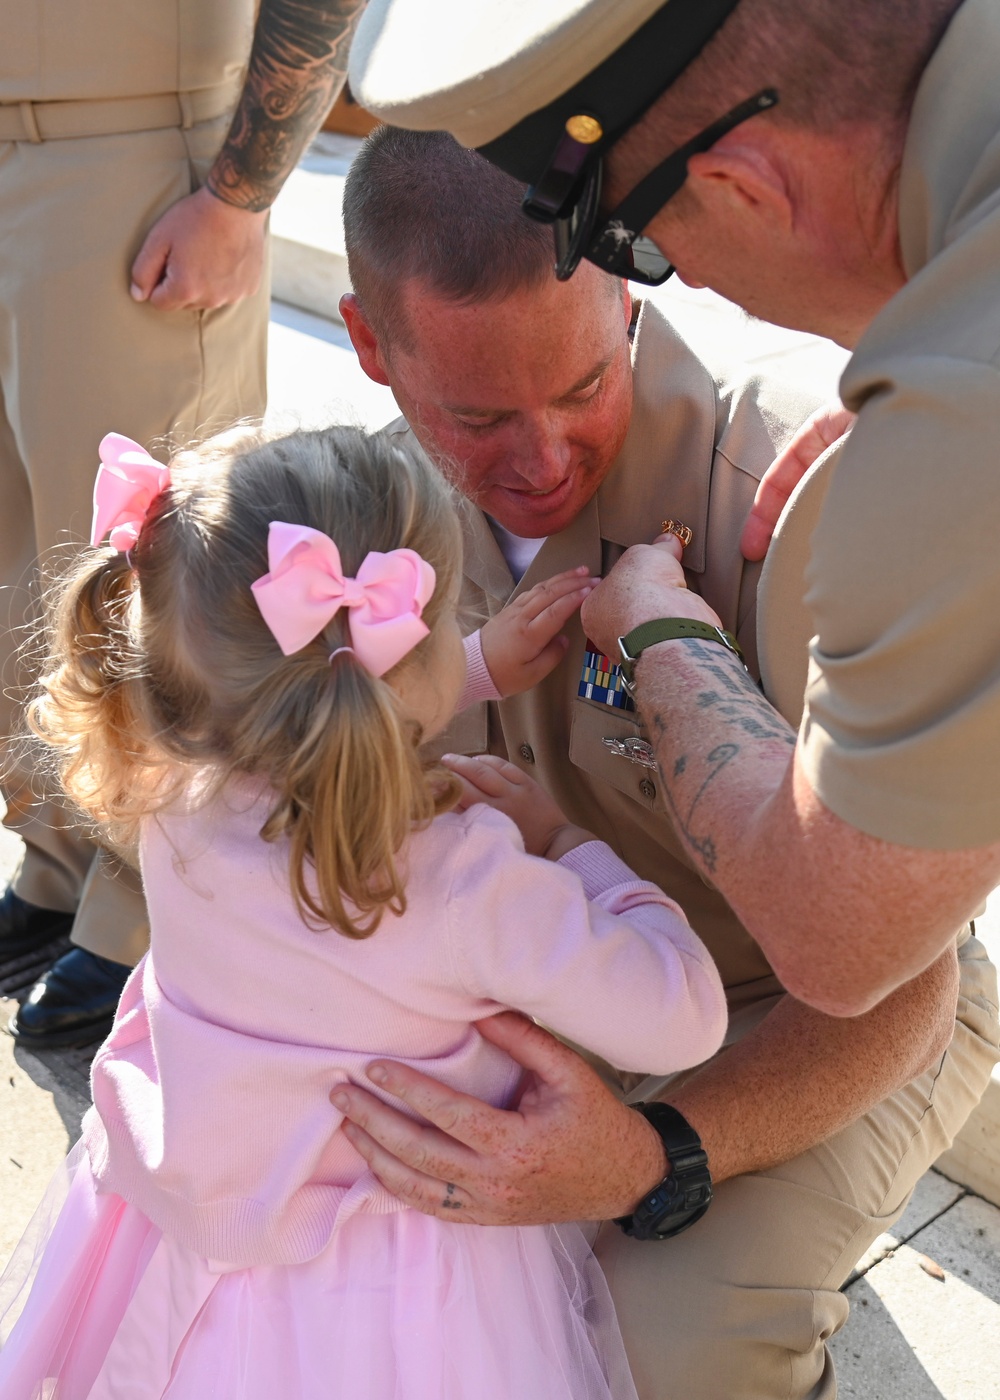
(667, 629)
(685, 1193)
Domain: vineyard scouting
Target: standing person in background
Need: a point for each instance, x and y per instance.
(140, 150)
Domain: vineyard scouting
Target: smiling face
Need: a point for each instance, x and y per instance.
(523, 402)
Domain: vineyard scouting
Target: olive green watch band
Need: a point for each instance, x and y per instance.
(667, 629)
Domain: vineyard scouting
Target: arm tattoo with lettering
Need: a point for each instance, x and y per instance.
(730, 696)
(297, 65)
(736, 696)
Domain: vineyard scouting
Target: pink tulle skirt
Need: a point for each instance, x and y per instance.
(97, 1304)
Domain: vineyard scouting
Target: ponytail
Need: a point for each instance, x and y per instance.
(162, 675)
(349, 792)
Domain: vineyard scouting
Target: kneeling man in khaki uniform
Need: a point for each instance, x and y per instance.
(569, 445)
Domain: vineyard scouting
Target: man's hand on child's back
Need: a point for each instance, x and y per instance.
(522, 644)
(499, 784)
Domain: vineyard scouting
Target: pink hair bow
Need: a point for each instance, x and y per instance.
(128, 480)
(306, 587)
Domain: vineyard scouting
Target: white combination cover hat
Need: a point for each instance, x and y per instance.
(505, 76)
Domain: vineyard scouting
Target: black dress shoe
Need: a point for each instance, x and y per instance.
(24, 927)
(73, 1004)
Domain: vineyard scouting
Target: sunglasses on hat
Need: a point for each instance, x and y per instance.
(568, 196)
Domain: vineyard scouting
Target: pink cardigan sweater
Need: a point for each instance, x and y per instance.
(211, 1094)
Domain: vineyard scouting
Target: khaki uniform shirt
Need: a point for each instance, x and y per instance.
(65, 50)
(134, 98)
(695, 451)
(901, 731)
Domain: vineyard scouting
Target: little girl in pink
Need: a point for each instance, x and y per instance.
(237, 687)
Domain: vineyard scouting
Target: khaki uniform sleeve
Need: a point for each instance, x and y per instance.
(901, 731)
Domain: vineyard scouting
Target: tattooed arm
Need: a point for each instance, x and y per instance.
(843, 917)
(207, 250)
(297, 66)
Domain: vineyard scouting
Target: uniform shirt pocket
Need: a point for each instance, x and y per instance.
(612, 745)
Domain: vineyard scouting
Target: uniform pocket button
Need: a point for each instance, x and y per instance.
(647, 789)
(526, 753)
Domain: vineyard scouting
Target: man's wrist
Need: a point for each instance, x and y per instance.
(681, 646)
(683, 1193)
(651, 1161)
(634, 644)
(230, 203)
(675, 602)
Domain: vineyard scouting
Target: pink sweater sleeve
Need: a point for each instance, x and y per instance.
(598, 955)
(478, 681)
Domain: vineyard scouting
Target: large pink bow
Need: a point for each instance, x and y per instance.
(127, 482)
(306, 587)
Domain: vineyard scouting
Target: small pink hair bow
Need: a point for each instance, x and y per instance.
(306, 587)
(127, 482)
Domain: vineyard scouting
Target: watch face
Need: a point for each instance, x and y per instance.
(675, 1205)
(675, 1216)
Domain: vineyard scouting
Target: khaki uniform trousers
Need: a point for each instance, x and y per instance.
(79, 358)
(741, 1306)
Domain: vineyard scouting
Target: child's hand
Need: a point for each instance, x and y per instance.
(499, 784)
(521, 645)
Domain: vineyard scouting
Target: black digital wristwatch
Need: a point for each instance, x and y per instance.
(685, 1193)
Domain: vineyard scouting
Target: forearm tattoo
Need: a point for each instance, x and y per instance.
(739, 712)
(297, 66)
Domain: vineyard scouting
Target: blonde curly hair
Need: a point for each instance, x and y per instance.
(160, 668)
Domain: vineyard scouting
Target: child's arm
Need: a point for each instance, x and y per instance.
(497, 783)
(598, 955)
(522, 644)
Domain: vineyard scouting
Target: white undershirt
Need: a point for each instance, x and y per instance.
(516, 550)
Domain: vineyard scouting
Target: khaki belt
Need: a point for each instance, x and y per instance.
(61, 121)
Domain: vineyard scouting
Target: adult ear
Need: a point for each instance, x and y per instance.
(742, 179)
(363, 338)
